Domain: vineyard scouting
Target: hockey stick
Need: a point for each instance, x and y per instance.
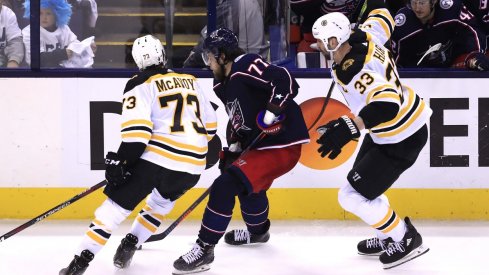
(162, 235)
(323, 108)
(52, 211)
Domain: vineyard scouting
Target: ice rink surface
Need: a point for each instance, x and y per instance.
(295, 248)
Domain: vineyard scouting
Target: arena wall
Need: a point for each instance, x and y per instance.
(56, 132)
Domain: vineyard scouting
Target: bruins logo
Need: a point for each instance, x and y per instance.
(347, 64)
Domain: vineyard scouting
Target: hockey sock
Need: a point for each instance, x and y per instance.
(377, 212)
(254, 209)
(107, 218)
(219, 210)
(150, 217)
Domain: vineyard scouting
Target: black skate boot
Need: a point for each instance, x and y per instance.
(243, 236)
(125, 251)
(79, 264)
(196, 260)
(373, 246)
(409, 248)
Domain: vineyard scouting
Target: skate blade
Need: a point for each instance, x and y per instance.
(197, 270)
(413, 255)
(371, 254)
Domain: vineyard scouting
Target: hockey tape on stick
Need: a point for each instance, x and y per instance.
(162, 235)
(52, 211)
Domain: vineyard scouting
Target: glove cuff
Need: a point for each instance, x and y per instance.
(354, 130)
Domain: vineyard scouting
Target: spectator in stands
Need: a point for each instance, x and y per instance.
(11, 46)
(430, 33)
(307, 11)
(243, 17)
(480, 10)
(57, 41)
(17, 6)
(84, 18)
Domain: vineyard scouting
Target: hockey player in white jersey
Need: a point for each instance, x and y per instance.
(396, 119)
(11, 45)
(166, 125)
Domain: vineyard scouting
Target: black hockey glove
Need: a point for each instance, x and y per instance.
(478, 61)
(226, 157)
(336, 134)
(268, 124)
(116, 172)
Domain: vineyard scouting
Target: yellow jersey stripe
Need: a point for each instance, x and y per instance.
(408, 123)
(211, 125)
(401, 114)
(385, 13)
(173, 157)
(376, 89)
(143, 135)
(393, 96)
(180, 145)
(137, 122)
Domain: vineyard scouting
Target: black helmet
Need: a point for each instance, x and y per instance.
(220, 41)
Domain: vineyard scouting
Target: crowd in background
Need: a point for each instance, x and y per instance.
(427, 33)
(67, 29)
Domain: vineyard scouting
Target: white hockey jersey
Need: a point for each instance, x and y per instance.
(49, 41)
(368, 74)
(169, 113)
(379, 25)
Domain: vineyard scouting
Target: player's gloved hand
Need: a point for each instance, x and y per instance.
(226, 157)
(269, 123)
(478, 61)
(336, 134)
(116, 172)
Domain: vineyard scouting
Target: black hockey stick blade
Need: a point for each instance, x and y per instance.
(51, 211)
(162, 235)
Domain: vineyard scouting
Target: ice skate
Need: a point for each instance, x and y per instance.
(373, 246)
(410, 247)
(79, 264)
(243, 236)
(125, 251)
(196, 260)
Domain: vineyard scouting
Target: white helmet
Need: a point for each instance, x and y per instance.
(333, 24)
(147, 51)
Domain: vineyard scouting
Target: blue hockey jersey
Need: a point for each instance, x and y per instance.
(254, 85)
(450, 36)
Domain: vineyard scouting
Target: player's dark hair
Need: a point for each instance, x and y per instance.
(231, 54)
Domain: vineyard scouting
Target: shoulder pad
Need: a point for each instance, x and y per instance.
(141, 77)
(352, 64)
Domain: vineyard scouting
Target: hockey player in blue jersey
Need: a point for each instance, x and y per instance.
(479, 9)
(259, 97)
(434, 33)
